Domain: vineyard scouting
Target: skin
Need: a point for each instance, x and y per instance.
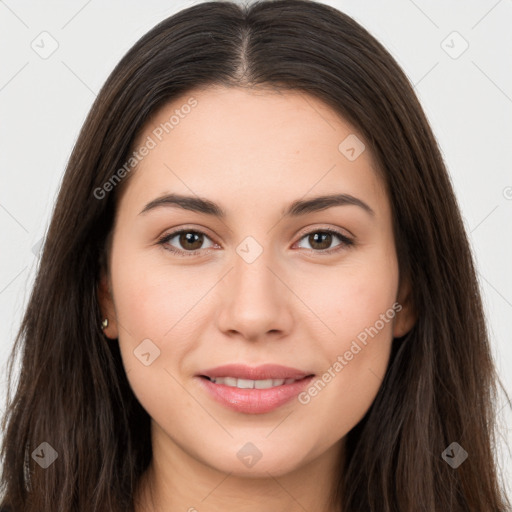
(253, 152)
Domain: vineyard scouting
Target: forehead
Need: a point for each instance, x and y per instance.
(237, 144)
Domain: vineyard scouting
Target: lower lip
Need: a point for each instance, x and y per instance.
(254, 401)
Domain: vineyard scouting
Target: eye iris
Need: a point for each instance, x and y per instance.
(325, 243)
(187, 237)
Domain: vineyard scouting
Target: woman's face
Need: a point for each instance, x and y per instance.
(265, 283)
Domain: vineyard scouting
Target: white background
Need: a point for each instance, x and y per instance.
(468, 101)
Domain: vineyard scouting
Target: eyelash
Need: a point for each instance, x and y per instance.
(163, 241)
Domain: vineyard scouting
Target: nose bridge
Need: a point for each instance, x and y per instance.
(252, 279)
(253, 275)
(255, 300)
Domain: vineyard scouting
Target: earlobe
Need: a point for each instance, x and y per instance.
(106, 303)
(407, 315)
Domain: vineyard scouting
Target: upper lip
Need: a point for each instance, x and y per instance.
(262, 372)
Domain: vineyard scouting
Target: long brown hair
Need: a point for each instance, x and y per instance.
(440, 386)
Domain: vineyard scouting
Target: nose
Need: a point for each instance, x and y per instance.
(255, 300)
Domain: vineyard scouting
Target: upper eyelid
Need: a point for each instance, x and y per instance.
(337, 230)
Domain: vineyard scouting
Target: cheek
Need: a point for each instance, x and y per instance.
(365, 325)
(361, 304)
(353, 297)
(152, 312)
(343, 392)
(156, 307)
(154, 299)
(360, 311)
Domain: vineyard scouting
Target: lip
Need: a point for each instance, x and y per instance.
(254, 401)
(265, 371)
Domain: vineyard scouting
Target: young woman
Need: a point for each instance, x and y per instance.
(256, 292)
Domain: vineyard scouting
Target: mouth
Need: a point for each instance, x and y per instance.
(255, 373)
(253, 390)
(234, 382)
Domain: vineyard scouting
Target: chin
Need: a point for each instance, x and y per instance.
(247, 463)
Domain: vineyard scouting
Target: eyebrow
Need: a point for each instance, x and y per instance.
(295, 209)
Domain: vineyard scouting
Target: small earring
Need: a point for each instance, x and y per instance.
(104, 323)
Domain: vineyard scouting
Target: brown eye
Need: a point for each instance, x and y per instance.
(321, 240)
(190, 240)
(186, 242)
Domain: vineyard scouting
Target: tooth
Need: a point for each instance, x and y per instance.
(249, 383)
(229, 381)
(263, 384)
(245, 383)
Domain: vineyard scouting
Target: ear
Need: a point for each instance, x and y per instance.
(406, 315)
(106, 304)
